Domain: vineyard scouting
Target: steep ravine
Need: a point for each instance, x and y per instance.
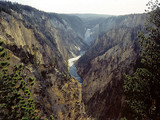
(73, 69)
(102, 67)
(41, 42)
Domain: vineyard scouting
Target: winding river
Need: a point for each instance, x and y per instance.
(73, 69)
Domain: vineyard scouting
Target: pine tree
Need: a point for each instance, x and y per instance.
(15, 97)
(142, 89)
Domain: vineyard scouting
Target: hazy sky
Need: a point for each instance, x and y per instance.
(113, 7)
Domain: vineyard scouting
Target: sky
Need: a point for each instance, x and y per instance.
(110, 7)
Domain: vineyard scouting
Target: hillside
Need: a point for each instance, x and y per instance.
(114, 52)
(42, 41)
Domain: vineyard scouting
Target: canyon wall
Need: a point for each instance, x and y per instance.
(42, 42)
(102, 68)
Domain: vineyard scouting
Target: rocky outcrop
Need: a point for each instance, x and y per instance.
(102, 24)
(41, 42)
(52, 92)
(25, 25)
(102, 69)
(132, 20)
(91, 23)
(58, 96)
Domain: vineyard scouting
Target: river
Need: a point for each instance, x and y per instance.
(73, 69)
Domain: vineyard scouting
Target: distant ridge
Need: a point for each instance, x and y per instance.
(91, 15)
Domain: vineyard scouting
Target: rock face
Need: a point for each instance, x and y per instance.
(92, 22)
(41, 41)
(103, 66)
(24, 25)
(52, 92)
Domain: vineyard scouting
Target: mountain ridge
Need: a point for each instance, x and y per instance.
(44, 41)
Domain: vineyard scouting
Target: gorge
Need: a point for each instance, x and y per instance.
(42, 41)
(73, 69)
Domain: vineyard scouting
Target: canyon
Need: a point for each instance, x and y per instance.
(44, 42)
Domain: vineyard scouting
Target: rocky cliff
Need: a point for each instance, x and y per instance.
(103, 66)
(91, 23)
(41, 42)
(25, 24)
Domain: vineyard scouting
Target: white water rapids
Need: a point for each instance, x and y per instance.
(73, 69)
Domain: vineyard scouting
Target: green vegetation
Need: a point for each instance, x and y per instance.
(15, 97)
(142, 89)
(51, 117)
(7, 6)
